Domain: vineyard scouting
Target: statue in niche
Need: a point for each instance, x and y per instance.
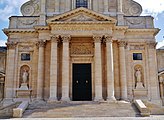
(138, 79)
(24, 78)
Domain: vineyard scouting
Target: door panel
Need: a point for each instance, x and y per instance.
(82, 84)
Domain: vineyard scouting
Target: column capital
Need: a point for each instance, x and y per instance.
(66, 38)
(11, 45)
(55, 38)
(108, 39)
(152, 45)
(97, 38)
(122, 43)
(41, 43)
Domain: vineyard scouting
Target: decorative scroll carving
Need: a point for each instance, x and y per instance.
(152, 45)
(11, 45)
(108, 39)
(66, 38)
(41, 43)
(97, 38)
(31, 8)
(27, 22)
(137, 47)
(82, 49)
(55, 38)
(122, 43)
(131, 8)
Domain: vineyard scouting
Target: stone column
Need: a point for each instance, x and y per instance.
(123, 79)
(154, 85)
(120, 15)
(65, 68)
(42, 19)
(110, 69)
(106, 6)
(53, 69)
(98, 68)
(161, 86)
(40, 77)
(10, 72)
(57, 6)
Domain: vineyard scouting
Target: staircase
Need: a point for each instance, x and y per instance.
(80, 109)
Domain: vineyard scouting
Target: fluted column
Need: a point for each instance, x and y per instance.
(53, 69)
(65, 68)
(10, 71)
(57, 5)
(123, 78)
(40, 77)
(110, 69)
(98, 68)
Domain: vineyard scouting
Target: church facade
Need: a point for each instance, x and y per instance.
(81, 50)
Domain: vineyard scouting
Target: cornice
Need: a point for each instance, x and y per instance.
(42, 28)
(154, 31)
(8, 31)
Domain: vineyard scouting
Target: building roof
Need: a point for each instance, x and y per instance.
(161, 48)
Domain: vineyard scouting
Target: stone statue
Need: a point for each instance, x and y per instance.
(138, 75)
(25, 76)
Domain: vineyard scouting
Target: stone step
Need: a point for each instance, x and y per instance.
(80, 109)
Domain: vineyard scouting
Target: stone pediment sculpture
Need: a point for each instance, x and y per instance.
(81, 15)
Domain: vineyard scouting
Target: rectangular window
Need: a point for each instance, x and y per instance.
(137, 56)
(81, 3)
(25, 57)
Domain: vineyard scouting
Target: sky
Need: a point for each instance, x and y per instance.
(154, 8)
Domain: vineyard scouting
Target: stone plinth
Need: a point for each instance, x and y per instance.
(23, 86)
(140, 93)
(23, 94)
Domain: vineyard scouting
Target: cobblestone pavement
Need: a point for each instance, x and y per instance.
(80, 110)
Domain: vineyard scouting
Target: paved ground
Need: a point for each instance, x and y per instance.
(80, 109)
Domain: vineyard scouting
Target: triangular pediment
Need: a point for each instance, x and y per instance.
(81, 15)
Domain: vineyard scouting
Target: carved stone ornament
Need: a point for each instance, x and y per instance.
(131, 8)
(55, 38)
(41, 43)
(82, 49)
(108, 39)
(152, 45)
(137, 47)
(97, 38)
(26, 48)
(11, 45)
(31, 8)
(81, 17)
(122, 43)
(66, 38)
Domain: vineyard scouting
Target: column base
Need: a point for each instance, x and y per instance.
(98, 99)
(52, 100)
(111, 99)
(65, 99)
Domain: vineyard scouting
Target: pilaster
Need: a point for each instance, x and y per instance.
(40, 78)
(123, 78)
(10, 72)
(110, 69)
(65, 68)
(53, 69)
(98, 67)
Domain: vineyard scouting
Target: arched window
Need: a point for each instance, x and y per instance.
(82, 3)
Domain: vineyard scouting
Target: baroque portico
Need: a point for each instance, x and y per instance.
(84, 53)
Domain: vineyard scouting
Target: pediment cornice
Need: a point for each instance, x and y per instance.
(81, 15)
